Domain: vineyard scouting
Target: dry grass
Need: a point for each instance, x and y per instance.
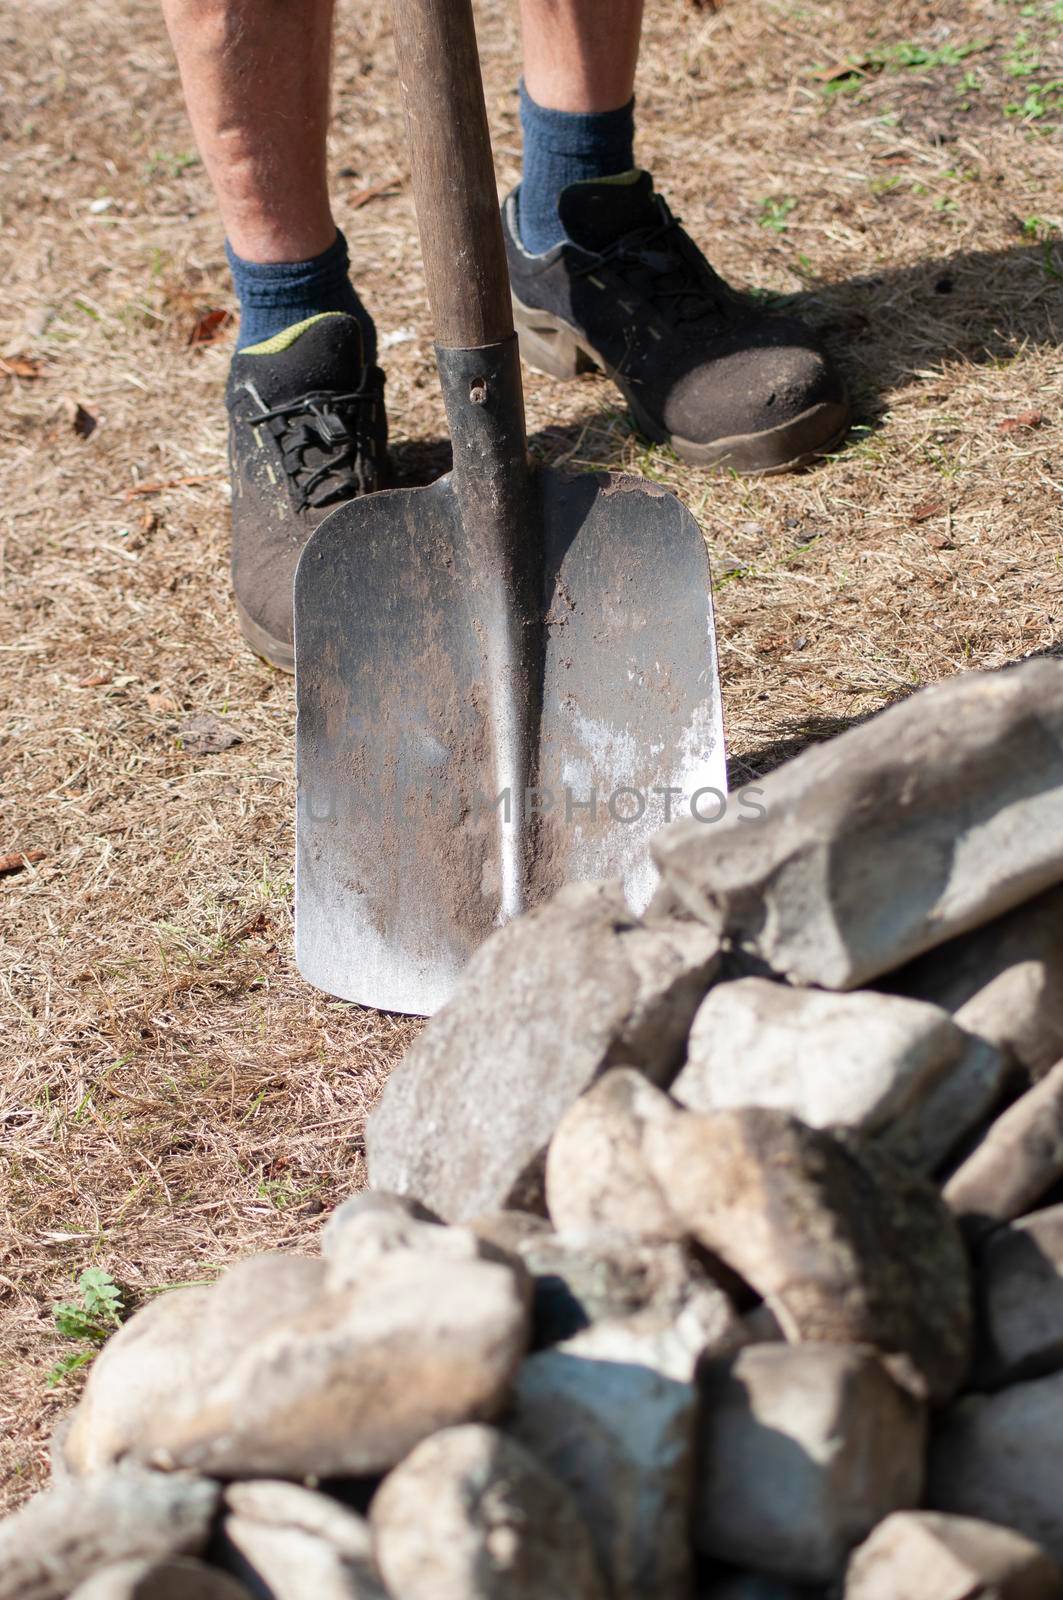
(170, 1093)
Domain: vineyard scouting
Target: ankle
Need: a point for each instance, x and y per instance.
(561, 148)
(275, 295)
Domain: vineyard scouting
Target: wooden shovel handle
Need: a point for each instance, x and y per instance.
(453, 173)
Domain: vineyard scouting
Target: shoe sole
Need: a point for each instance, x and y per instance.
(274, 652)
(549, 344)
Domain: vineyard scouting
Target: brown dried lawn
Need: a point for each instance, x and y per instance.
(170, 1093)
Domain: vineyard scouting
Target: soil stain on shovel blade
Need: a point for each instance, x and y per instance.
(407, 829)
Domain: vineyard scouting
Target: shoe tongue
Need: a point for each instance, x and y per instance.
(598, 211)
(325, 352)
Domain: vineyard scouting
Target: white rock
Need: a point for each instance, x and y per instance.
(597, 1175)
(277, 1375)
(162, 1362)
(803, 1450)
(470, 1515)
(862, 1060)
(292, 1543)
(924, 1555)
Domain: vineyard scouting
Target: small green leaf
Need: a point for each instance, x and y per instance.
(71, 1363)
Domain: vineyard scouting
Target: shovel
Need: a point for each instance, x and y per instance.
(505, 681)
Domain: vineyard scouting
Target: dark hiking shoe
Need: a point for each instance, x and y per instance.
(307, 431)
(702, 367)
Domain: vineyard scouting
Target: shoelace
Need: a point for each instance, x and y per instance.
(696, 291)
(327, 427)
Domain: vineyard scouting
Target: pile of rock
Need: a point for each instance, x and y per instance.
(714, 1253)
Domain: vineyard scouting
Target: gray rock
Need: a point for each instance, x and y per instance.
(291, 1543)
(957, 1106)
(263, 1383)
(1020, 1294)
(1004, 981)
(180, 1579)
(470, 1515)
(619, 1432)
(61, 1538)
(597, 1175)
(998, 1457)
(592, 1276)
(929, 820)
(845, 1244)
(802, 1451)
(924, 1555)
(1018, 1161)
(465, 1118)
(865, 1060)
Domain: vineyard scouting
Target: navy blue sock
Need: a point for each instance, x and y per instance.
(563, 147)
(275, 295)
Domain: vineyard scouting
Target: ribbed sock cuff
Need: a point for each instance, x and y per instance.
(563, 147)
(275, 294)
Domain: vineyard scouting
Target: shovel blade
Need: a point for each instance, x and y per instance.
(401, 825)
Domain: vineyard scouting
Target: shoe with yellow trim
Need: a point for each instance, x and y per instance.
(307, 431)
(702, 367)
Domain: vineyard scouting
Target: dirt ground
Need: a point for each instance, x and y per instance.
(171, 1094)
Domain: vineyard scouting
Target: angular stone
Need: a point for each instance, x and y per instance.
(1021, 1012)
(545, 1006)
(292, 1543)
(371, 1225)
(61, 1538)
(846, 1244)
(957, 1106)
(590, 1275)
(470, 1515)
(619, 1432)
(1018, 1161)
(180, 1579)
(803, 1449)
(597, 1175)
(865, 1060)
(998, 1457)
(166, 1356)
(263, 1383)
(932, 818)
(924, 1555)
(1020, 1295)
(1003, 981)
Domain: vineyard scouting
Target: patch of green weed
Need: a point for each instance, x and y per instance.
(88, 1320)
